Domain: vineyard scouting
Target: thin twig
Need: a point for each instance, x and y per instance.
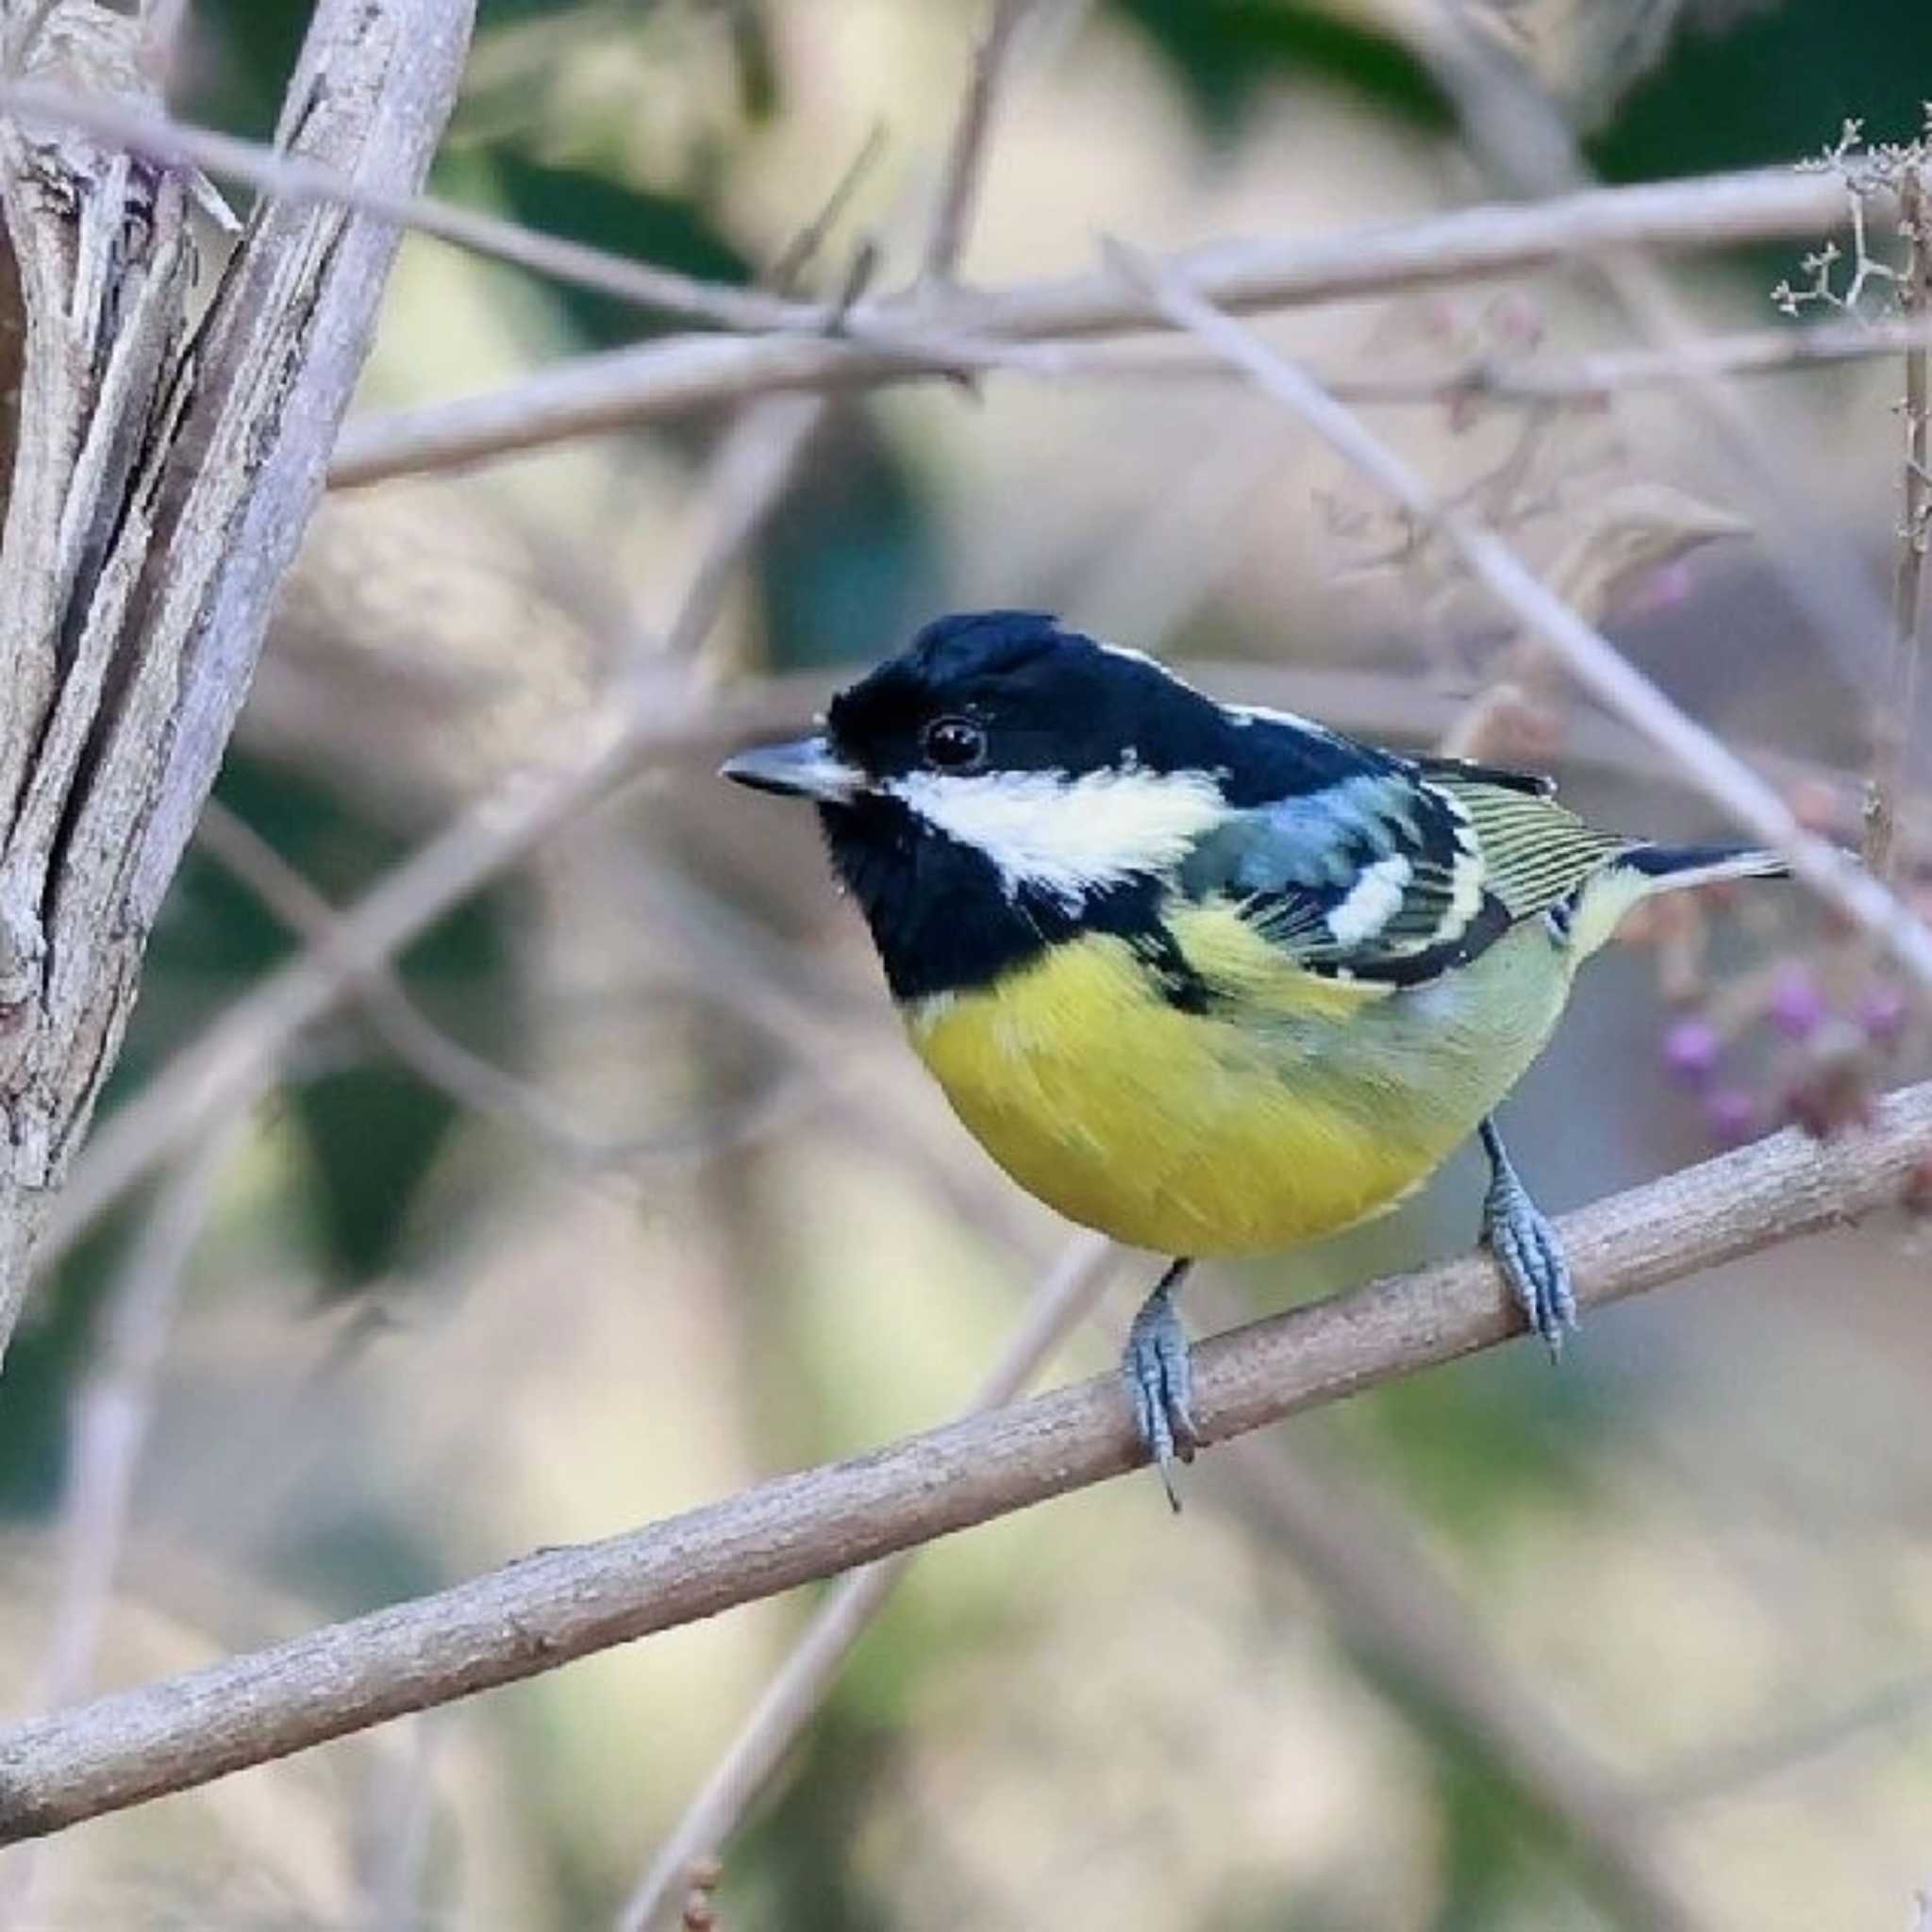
(964, 171)
(560, 1604)
(798, 253)
(1590, 658)
(1721, 1771)
(1063, 1299)
(115, 1407)
(1892, 726)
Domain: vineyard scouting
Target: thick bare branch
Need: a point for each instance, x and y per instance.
(158, 497)
(561, 1604)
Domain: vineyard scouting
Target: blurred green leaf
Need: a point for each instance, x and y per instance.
(1226, 52)
(1742, 88)
(246, 50)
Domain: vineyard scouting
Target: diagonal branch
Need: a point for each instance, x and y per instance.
(561, 1604)
(1596, 664)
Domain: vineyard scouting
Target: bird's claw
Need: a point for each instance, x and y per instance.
(1161, 1384)
(1524, 1242)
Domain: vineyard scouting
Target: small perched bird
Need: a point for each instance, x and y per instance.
(1213, 979)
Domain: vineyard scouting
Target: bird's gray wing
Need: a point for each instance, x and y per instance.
(1399, 873)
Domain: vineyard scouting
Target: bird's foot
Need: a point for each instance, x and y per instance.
(1160, 1380)
(1524, 1242)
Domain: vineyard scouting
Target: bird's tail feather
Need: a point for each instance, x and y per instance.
(1669, 866)
(1639, 870)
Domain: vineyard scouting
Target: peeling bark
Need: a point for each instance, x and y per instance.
(164, 465)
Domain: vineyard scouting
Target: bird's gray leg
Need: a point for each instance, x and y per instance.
(1160, 1378)
(1525, 1243)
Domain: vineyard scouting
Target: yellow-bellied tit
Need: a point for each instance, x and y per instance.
(1214, 980)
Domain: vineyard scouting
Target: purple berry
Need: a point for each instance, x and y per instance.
(1731, 1115)
(1882, 1012)
(1797, 1008)
(1690, 1050)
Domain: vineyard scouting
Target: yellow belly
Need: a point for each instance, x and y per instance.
(1297, 1107)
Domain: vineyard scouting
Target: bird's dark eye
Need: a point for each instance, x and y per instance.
(954, 744)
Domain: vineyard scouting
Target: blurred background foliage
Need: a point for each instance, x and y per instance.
(419, 1340)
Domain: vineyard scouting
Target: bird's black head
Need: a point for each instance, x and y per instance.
(1009, 690)
(1004, 784)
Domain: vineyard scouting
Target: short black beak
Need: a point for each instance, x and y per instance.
(808, 768)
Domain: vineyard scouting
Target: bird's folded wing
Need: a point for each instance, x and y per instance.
(1399, 873)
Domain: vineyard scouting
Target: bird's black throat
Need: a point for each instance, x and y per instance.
(943, 920)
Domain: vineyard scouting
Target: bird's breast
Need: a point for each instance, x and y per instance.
(1290, 1107)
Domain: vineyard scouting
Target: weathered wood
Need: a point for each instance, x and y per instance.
(164, 467)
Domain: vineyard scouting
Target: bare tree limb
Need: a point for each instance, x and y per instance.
(561, 1604)
(1712, 211)
(158, 492)
(620, 388)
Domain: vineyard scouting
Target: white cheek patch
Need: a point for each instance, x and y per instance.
(1372, 901)
(1064, 835)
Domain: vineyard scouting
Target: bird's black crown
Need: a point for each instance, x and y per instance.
(1047, 700)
